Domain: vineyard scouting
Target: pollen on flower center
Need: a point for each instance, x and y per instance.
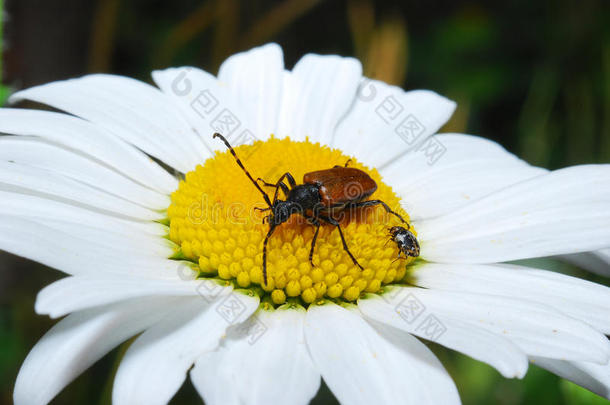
(213, 219)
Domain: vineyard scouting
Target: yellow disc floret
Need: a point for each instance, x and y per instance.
(213, 219)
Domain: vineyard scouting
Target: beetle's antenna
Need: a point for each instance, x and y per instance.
(271, 229)
(265, 196)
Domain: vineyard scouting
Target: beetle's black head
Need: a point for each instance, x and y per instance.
(396, 230)
(282, 210)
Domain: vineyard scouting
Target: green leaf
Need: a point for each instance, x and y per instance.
(575, 394)
(4, 93)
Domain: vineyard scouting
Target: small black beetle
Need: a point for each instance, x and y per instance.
(405, 240)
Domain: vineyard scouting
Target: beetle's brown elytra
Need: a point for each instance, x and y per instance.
(322, 194)
(334, 185)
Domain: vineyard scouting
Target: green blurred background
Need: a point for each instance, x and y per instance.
(534, 76)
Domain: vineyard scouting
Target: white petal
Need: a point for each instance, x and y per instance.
(536, 329)
(262, 361)
(78, 341)
(213, 392)
(384, 122)
(470, 168)
(85, 137)
(578, 298)
(72, 255)
(128, 245)
(597, 262)
(362, 366)
(81, 292)
(119, 236)
(317, 94)
(94, 239)
(37, 209)
(132, 110)
(565, 211)
(594, 377)
(156, 364)
(432, 382)
(207, 105)
(254, 80)
(41, 182)
(44, 155)
(479, 344)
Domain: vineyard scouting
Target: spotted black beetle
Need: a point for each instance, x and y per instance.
(405, 241)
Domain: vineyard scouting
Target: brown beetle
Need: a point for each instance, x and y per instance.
(322, 194)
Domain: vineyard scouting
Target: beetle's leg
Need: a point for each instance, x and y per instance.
(316, 223)
(266, 218)
(284, 188)
(371, 203)
(277, 186)
(334, 222)
(290, 179)
(345, 165)
(286, 176)
(313, 244)
(271, 229)
(280, 184)
(398, 258)
(265, 183)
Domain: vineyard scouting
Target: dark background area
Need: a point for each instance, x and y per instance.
(534, 76)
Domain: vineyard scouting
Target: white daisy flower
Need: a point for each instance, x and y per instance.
(153, 222)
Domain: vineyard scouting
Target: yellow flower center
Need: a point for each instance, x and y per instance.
(213, 220)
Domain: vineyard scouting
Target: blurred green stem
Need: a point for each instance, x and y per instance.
(3, 89)
(186, 30)
(536, 135)
(605, 140)
(1, 39)
(275, 20)
(102, 35)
